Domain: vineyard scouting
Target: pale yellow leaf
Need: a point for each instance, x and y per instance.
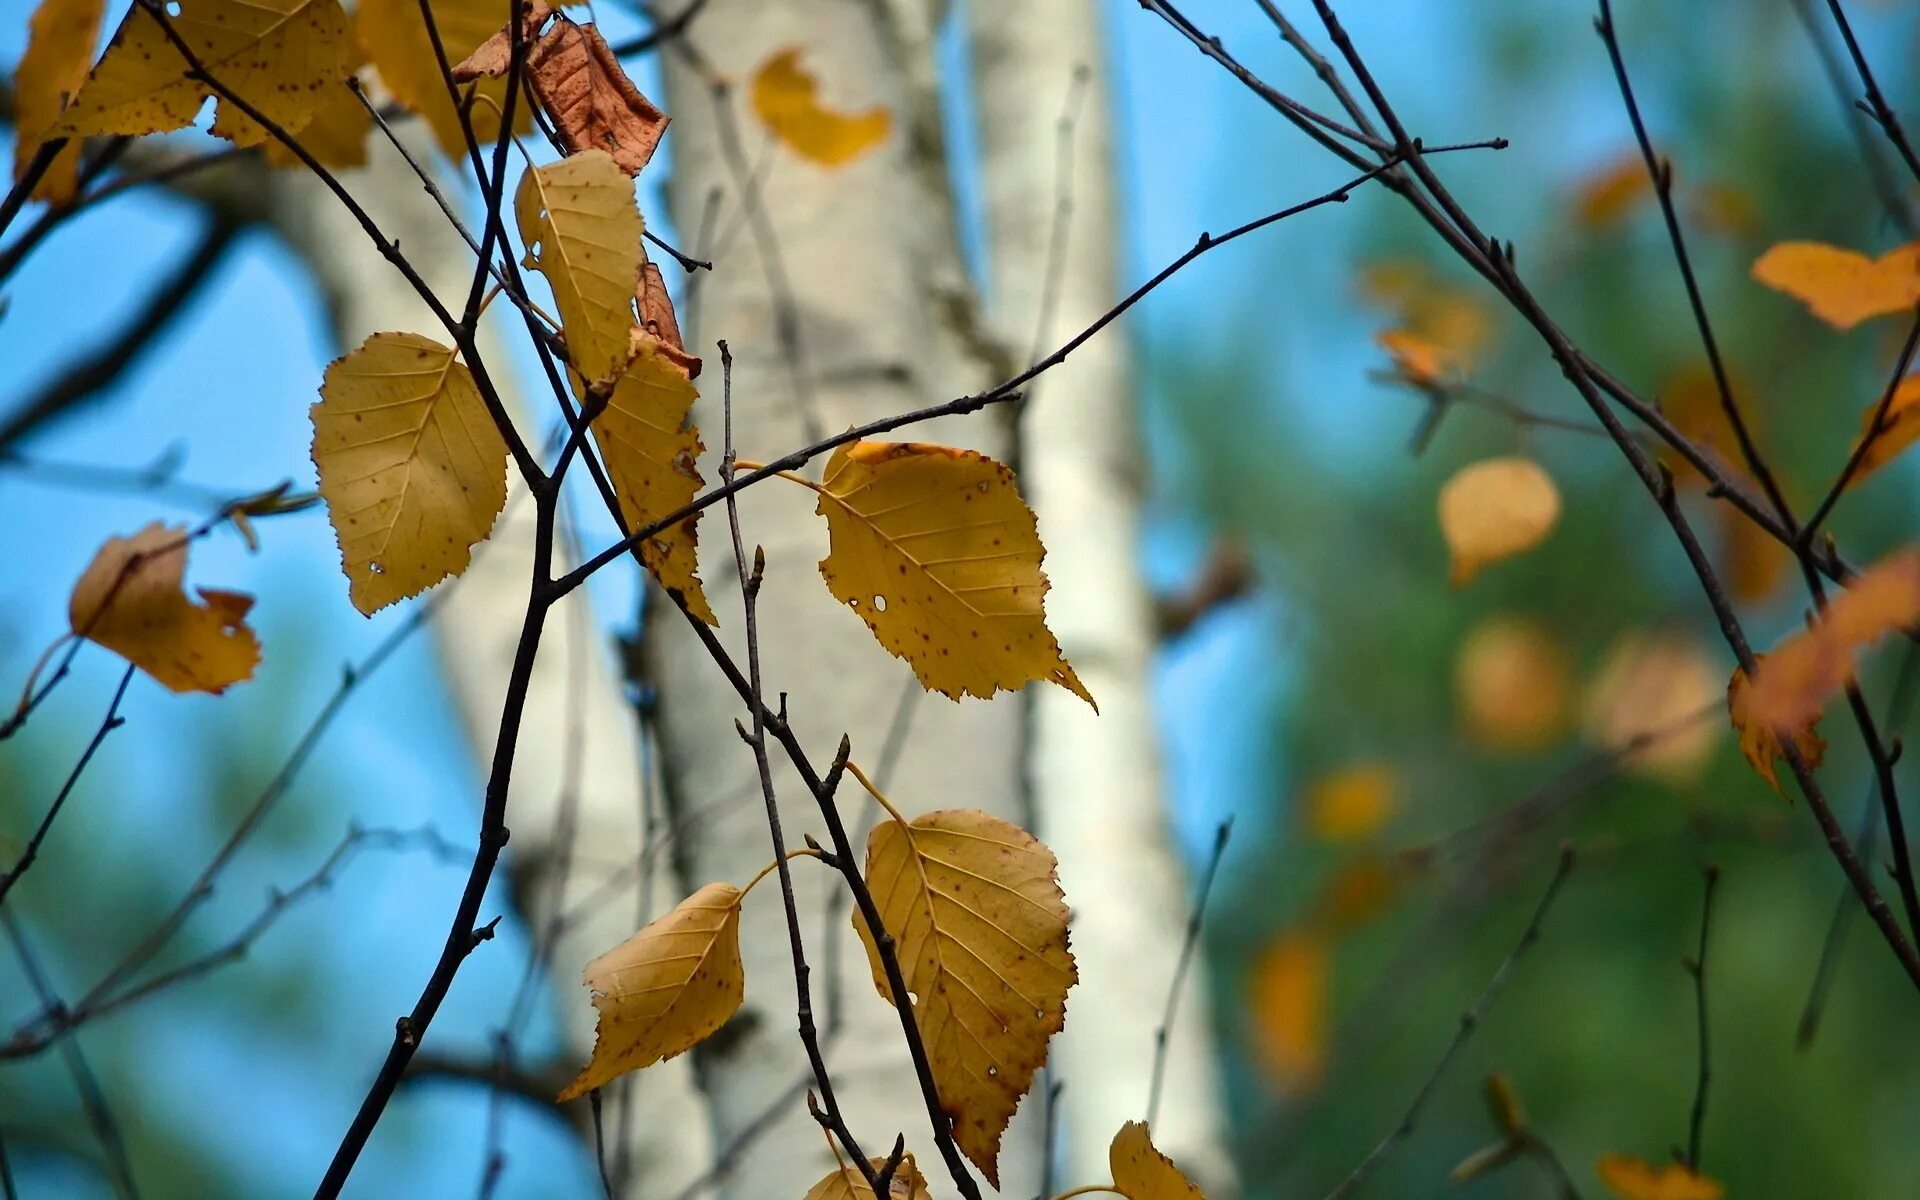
(412, 467)
(1141, 1172)
(1632, 1179)
(980, 928)
(1353, 803)
(1843, 287)
(1495, 509)
(277, 55)
(665, 989)
(1761, 743)
(1511, 680)
(130, 601)
(1649, 693)
(847, 1183)
(581, 226)
(652, 451)
(59, 50)
(786, 99)
(935, 550)
(393, 34)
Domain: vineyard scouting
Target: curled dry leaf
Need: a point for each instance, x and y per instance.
(665, 989)
(937, 552)
(658, 323)
(1140, 1172)
(59, 50)
(1495, 509)
(1842, 287)
(581, 226)
(1760, 742)
(593, 104)
(1803, 672)
(846, 1183)
(1353, 803)
(786, 99)
(278, 55)
(394, 36)
(1899, 428)
(1511, 681)
(980, 926)
(1287, 1004)
(651, 451)
(130, 601)
(493, 58)
(411, 465)
(1634, 1179)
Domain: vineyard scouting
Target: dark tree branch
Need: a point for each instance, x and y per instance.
(1697, 968)
(112, 721)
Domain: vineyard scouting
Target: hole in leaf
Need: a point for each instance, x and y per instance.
(879, 604)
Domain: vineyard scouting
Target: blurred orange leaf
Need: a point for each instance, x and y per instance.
(1606, 195)
(1842, 287)
(1511, 682)
(1756, 561)
(1358, 892)
(1633, 1179)
(1899, 429)
(1353, 803)
(1288, 1008)
(786, 99)
(1758, 741)
(1798, 677)
(130, 601)
(1495, 509)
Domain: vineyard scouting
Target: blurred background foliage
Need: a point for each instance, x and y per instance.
(1370, 728)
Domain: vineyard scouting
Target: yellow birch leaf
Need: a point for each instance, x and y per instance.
(1651, 686)
(1511, 680)
(937, 552)
(786, 99)
(395, 37)
(847, 1183)
(1606, 195)
(59, 50)
(130, 601)
(1760, 742)
(665, 989)
(1495, 509)
(581, 226)
(1288, 1008)
(1141, 1172)
(1353, 803)
(1803, 672)
(1633, 1179)
(277, 55)
(980, 926)
(412, 467)
(1842, 287)
(336, 137)
(651, 451)
(1901, 428)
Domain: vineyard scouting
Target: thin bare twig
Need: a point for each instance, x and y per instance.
(112, 721)
(1188, 945)
(1697, 968)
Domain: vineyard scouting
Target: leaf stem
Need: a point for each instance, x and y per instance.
(770, 868)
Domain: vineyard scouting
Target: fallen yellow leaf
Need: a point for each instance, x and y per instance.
(651, 452)
(130, 601)
(59, 50)
(665, 989)
(1495, 509)
(846, 1183)
(581, 226)
(1632, 1179)
(411, 465)
(1353, 803)
(1842, 287)
(1511, 682)
(786, 99)
(277, 55)
(1140, 1172)
(935, 550)
(980, 925)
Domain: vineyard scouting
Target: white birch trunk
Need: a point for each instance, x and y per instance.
(1095, 779)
